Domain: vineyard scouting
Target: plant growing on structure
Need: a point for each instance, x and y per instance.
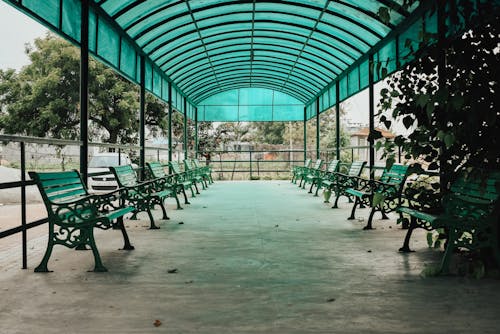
(452, 111)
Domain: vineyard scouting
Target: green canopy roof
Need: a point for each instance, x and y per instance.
(206, 47)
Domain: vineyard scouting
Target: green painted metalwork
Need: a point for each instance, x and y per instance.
(142, 195)
(318, 177)
(340, 182)
(203, 48)
(470, 215)
(298, 171)
(308, 173)
(250, 104)
(194, 174)
(204, 171)
(382, 195)
(73, 214)
(155, 171)
(183, 178)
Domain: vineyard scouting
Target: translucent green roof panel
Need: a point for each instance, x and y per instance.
(251, 104)
(205, 47)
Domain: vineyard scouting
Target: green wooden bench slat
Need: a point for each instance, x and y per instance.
(339, 182)
(67, 196)
(383, 195)
(73, 214)
(471, 216)
(142, 195)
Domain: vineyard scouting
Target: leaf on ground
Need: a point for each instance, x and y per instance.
(329, 300)
(157, 323)
(172, 271)
(181, 223)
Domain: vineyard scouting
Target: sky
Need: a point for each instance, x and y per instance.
(17, 29)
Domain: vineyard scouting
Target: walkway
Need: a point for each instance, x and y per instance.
(251, 257)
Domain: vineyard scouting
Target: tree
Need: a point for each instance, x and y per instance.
(43, 99)
(45, 96)
(452, 109)
(269, 132)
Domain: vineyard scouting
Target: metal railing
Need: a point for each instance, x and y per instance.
(248, 164)
(24, 183)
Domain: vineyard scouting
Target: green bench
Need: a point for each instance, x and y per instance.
(316, 179)
(144, 196)
(383, 195)
(340, 182)
(195, 174)
(309, 173)
(156, 171)
(471, 214)
(298, 171)
(183, 178)
(73, 214)
(205, 171)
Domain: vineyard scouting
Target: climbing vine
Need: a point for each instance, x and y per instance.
(451, 111)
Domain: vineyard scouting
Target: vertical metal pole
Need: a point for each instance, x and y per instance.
(196, 132)
(119, 156)
(185, 143)
(170, 111)
(250, 164)
(305, 133)
(371, 116)
(337, 119)
(317, 128)
(142, 113)
(443, 175)
(23, 205)
(84, 91)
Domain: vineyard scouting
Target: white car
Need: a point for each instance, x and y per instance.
(101, 162)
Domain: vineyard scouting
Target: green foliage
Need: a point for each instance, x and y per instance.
(454, 121)
(43, 98)
(270, 132)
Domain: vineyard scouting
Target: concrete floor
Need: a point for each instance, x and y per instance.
(251, 257)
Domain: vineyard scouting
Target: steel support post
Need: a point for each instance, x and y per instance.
(84, 90)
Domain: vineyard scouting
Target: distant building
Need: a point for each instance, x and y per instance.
(360, 138)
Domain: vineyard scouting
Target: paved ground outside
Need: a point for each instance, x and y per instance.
(250, 257)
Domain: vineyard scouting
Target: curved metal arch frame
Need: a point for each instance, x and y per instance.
(164, 61)
(336, 12)
(172, 30)
(237, 64)
(192, 63)
(245, 74)
(330, 46)
(279, 79)
(326, 34)
(228, 83)
(260, 47)
(259, 67)
(365, 12)
(156, 25)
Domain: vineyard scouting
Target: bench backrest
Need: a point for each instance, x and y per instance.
(333, 166)
(188, 165)
(486, 187)
(196, 163)
(307, 163)
(175, 167)
(57, 187)
(156, 170)
(396, 175)
(125, 175)
(317, 164)
(356, 168)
